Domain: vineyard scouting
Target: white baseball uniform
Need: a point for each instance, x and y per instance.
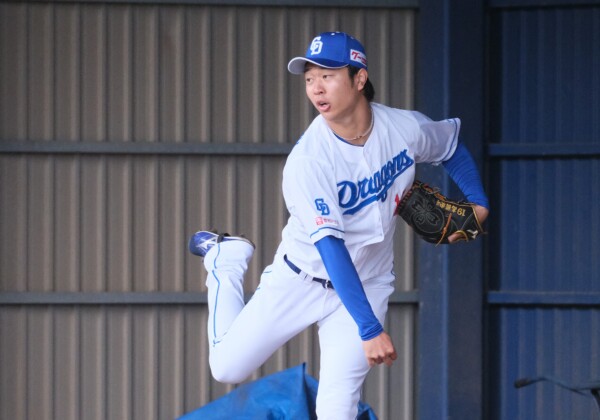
(330, 188)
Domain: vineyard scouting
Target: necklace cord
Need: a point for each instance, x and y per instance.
(361, 135)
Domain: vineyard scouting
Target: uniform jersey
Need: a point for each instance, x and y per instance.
(332, 187)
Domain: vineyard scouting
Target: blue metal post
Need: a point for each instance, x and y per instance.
(450, 73)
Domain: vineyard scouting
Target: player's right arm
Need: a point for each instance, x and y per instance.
(348, 286)
(380, 350)
(304, 179)
(377, 344)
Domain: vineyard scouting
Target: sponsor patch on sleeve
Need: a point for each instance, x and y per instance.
(320, 220)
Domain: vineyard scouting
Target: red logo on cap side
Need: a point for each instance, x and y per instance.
(358, 56)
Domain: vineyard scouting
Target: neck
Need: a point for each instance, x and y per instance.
(357, 128)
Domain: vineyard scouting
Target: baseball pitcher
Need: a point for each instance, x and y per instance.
(342, 183)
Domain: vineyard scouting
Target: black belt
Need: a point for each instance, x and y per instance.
(324, 282)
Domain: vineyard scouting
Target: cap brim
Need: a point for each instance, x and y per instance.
(296, 65)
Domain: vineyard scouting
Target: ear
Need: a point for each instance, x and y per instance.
(361, 78)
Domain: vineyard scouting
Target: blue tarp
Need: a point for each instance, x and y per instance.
(285, 395)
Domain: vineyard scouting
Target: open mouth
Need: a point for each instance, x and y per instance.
(323, 106)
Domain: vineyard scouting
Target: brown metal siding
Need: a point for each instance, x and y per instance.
(176, 74)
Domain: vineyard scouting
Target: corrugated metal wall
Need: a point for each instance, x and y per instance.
(544, 265)
(125, 128)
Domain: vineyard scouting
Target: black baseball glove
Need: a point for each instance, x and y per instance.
(434, 217)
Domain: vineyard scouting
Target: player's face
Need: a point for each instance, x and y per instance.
(332, 92)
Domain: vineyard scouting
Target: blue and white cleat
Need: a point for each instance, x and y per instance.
(202, 241)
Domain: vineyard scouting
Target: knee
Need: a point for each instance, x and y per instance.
(227, 374)
(337, 403)
(336, 412)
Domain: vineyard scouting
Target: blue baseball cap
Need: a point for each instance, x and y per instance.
(332, 50)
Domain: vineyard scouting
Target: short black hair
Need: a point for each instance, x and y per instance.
(368, 90)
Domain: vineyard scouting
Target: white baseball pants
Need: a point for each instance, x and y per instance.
(242, 337)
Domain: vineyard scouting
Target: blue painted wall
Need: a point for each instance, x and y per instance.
(543, 297)
(524, 76)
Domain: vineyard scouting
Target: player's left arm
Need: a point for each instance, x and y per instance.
(462, 169)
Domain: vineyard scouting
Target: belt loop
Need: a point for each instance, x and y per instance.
(326, 283)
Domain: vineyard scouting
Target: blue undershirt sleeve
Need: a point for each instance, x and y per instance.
(348, 286)
(463, 171)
